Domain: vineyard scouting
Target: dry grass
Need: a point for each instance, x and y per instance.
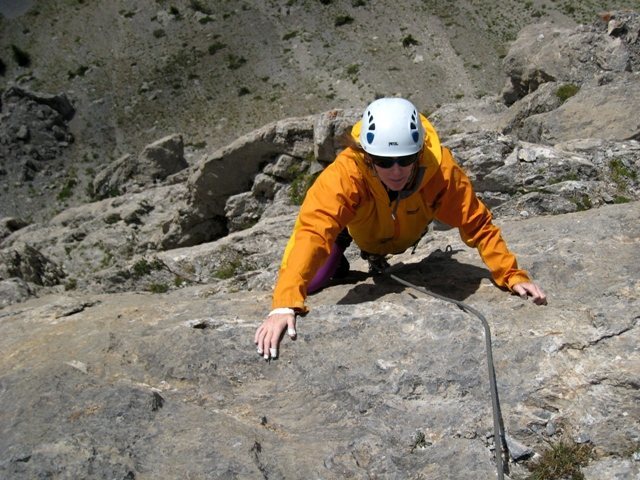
(561, 460)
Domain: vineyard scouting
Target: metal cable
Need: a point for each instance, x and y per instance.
(499, 439)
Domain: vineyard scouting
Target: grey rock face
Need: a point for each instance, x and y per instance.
(25, 262)
(8, 225)
(544, 53)
(521, 178)
(14, 290)
(178, 372)
(328, 129)
(34, 137)
(98, 244)
(98, 241)
(563, 84)
(155, 163)
(382, 382)
(603, 111)
(613, 469)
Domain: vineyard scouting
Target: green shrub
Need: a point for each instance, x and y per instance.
(143, 267)
(234, 62)
(562, 460)
(619, 169)
(180, 281)
(158, 288)
(216, 47)
(112, 218)
(353, 69)
(583, 202)
(343, 20)
(567, 91)
(621, 174)
(290, 35)
(199, 6)
(111, 193)
(352, 72)
(230, 266)
(299, 187)
(67, 189)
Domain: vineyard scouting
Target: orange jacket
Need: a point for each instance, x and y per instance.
(349, 194)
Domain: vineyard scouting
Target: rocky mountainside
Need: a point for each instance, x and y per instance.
(215, 70)
(127, 313)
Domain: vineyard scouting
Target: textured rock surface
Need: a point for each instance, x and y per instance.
(138, 385)
(155, 163)
(383, 382)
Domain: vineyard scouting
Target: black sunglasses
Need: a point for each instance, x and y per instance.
(388, 162)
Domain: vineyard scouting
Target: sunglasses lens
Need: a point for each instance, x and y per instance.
(407, 160)
(387, 162)
(383, 162)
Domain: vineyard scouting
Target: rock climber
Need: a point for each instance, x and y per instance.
(392, 179)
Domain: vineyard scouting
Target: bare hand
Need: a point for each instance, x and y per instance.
(528, 289)
(268, 335)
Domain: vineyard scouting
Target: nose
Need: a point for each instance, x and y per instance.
(395, 169)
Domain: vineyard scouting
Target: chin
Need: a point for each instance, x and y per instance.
(396, 187)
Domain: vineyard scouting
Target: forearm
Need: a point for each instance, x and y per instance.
(495, 254)
(460, 207)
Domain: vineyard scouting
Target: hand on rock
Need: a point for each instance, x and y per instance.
(528, 289)
(267, 337)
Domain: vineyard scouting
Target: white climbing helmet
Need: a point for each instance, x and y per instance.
(391, 127)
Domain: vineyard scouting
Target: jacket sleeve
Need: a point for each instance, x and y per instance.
(458, 206)
(328, 207)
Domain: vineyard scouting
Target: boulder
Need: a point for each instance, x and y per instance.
(595, 111)
(543, 53)
(155, 163)
(93, 242)
(14, 290)
(25, 262)
(328, 129)
(521, 178)
(58, 102)
(34, 142)
(8, 225)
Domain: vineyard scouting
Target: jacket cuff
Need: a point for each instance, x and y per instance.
(519, 278)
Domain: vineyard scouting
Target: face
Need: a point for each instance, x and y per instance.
(397, 176)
